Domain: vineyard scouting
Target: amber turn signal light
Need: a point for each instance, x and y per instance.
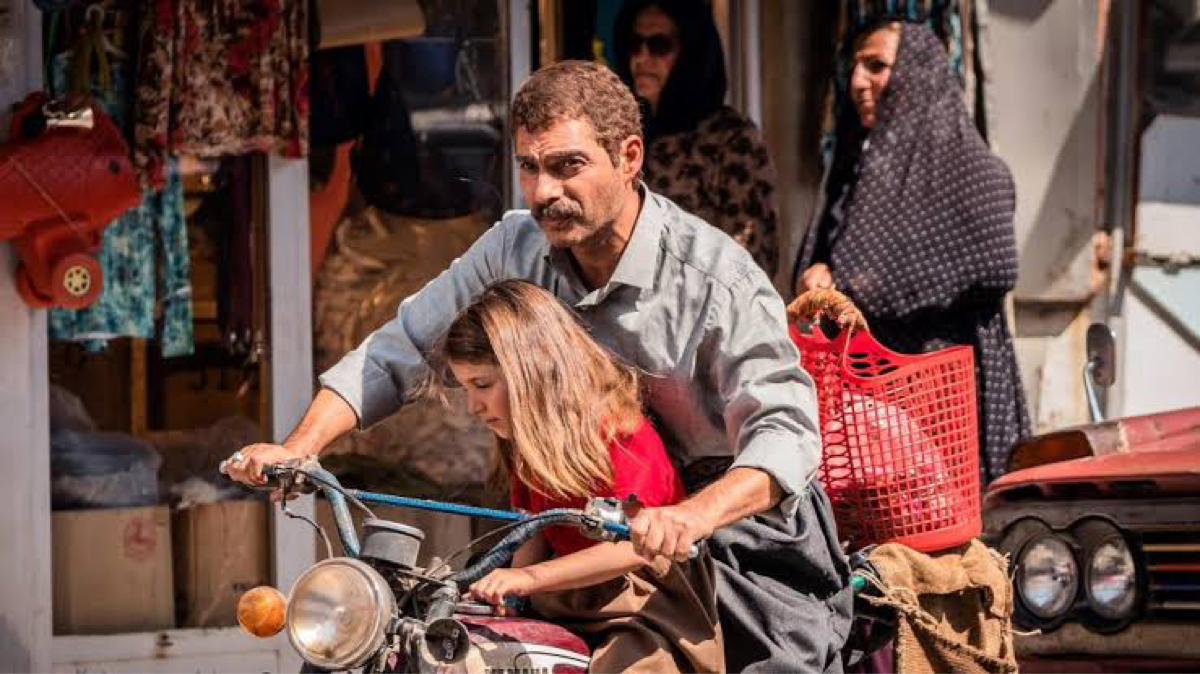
(262, 611)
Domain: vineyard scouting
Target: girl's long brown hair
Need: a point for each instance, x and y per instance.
(568, 396)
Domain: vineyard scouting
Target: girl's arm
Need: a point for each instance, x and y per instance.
(531, 552)
(587, 567)
(601, 562)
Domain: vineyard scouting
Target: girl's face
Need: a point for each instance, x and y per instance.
(872, 67)
(487, 394)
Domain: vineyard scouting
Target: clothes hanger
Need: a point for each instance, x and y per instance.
(95, 16)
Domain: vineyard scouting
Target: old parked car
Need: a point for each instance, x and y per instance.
(1102, 524)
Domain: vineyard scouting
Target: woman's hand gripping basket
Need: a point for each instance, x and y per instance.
(900, 432)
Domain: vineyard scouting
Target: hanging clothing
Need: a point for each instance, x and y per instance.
(236, 259)
(722, 173)
(132, 247)
(920, 235)
(700, 153)
(221, 78)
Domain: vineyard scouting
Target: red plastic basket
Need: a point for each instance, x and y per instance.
(901, 443)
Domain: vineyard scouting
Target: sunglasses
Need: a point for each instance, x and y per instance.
(658, 44)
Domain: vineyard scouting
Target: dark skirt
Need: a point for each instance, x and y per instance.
(783, 590)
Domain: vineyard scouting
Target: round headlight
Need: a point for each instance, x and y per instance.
(1047, 576)
(1111, 578)
(338, 613)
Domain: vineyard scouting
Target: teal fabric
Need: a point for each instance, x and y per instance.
(136, 246)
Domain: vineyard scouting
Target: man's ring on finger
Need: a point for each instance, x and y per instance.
(237, 457)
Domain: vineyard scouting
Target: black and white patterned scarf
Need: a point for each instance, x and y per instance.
(925, 244)
(931, 214)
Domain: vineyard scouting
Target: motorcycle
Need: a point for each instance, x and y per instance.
(376, 610)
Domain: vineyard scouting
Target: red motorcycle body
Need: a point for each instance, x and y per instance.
(512, 645)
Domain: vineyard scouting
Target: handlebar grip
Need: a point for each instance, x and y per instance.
(272, 470)
(622, 532)
(268, 471)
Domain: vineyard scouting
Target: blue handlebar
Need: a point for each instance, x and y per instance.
(527, 525)
(621, 531)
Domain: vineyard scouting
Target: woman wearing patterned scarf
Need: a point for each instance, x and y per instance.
(916, 225)
(700, 153)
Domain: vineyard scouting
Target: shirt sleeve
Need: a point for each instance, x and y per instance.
(641, 467)
(770, 407)
(389, 368)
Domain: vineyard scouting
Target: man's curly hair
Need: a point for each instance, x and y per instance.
(579, 90)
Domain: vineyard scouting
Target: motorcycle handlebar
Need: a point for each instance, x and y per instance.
(286, 476)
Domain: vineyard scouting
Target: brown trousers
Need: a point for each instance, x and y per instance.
(661, 618)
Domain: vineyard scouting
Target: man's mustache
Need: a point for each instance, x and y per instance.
(557, 210)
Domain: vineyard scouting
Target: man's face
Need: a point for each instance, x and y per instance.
(571, 184)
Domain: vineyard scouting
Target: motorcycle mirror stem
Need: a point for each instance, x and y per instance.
(1100, 368)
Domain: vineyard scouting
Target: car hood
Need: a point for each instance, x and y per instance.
(1158, 453)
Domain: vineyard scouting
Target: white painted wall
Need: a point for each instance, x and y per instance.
(1160, 362)
(25, 584)
(1159, 371)
(520, 66)
(1045, 85)
(1170, 167)
(291, 383)
(1044, 89)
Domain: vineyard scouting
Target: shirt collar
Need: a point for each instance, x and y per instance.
(640, 260)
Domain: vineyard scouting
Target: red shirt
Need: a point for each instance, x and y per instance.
(640, 466)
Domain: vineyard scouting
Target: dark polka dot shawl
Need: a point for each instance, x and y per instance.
(925, 246)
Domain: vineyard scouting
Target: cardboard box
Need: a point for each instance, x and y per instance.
(112, 570)
(444, 534)
(221, 550)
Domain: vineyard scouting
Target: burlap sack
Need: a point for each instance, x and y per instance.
(954, 608)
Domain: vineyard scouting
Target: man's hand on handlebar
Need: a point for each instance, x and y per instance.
(670, 531)
(246, 464)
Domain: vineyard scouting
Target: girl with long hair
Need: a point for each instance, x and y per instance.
(568, 422)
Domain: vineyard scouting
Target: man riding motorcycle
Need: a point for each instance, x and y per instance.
(683, 302)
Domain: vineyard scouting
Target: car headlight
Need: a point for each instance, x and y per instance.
(1047, 576)
(338, 613)
(1111, 575)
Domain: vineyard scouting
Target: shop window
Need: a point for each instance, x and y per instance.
(417, 149)
(142, 519)
(1172, 58)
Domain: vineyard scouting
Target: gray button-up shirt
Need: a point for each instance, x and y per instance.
(686, 304)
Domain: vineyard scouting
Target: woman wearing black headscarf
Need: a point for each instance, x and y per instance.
(700, 153)
(917, 222)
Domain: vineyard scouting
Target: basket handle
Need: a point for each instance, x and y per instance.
(812, 304)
